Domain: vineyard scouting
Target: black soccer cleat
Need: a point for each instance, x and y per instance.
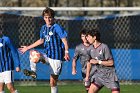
(30, 73)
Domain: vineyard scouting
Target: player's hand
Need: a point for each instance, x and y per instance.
(74, 72)
(23, 49)
(17, 69)
(93, 61)
(67, 57)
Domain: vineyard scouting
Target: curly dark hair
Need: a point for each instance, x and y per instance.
(94, 32)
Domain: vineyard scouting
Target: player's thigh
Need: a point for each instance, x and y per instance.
(1, 86)
(1, 81)
(43, 55)
(93, 88)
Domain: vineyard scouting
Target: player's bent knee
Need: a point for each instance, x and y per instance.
(116, 90)
(53, 80)
(34, 56)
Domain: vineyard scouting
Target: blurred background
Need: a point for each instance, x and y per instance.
(69, 3)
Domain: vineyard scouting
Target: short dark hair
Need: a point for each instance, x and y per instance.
(83, 31)
(94, 32)
(48, 11)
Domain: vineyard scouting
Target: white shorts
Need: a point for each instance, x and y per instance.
(6, 77)
(55, 66)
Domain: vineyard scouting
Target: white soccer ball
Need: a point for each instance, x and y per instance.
(34, 56)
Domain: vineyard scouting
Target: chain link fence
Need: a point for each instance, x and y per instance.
(120, 32)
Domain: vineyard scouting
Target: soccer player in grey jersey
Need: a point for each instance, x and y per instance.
(102, 57)
(81, 51)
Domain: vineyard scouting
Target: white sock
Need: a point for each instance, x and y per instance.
(33, 66)
(54, 89)
(2, 92)
(16, 91)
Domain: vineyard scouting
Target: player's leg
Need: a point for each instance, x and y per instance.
(11, 88)
(1, 87)
(32, 64)
(91, 77)
(9, 79)
(96, 85)
(53, 83)
(55, 66)
(114, 86)
(43, 58)
(86, 83)
(116, 91)
(94, 88)
(112, 82)
(1, 82)
(31, 72)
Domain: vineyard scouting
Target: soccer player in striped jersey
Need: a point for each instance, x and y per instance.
(102, 57)
(56, 47)
(81, 52)
(9, 60)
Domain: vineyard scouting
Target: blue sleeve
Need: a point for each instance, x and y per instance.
(14, 52)
(60, 31)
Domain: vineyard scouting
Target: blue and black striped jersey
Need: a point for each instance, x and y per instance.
(54, 47)
(9, 58)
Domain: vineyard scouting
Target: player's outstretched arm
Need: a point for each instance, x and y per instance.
(23, 49)
(14, 52)
(88, 71)
(67, 57)
(74, 67)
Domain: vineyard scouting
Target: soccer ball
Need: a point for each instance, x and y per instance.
(34, 56)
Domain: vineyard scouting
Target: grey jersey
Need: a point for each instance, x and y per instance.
(81, 52)
(102, 52)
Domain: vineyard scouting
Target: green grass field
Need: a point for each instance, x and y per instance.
(73, 88)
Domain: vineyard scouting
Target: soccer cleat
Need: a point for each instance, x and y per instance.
(30, 73)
